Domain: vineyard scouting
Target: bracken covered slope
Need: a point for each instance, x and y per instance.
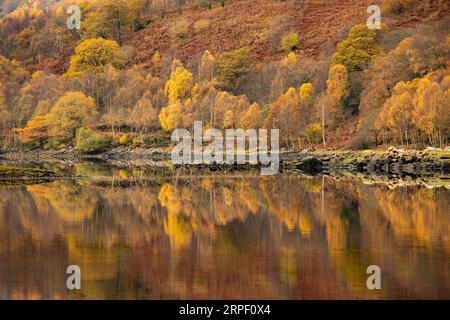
(258, 25)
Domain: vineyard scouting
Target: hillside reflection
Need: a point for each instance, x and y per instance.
(219, 237)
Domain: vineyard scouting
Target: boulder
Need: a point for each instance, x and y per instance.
(310, 164)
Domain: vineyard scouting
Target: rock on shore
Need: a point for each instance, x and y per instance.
(392, 161)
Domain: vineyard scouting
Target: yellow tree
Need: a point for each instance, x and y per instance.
(42, 86)
(94, 54)
(171, 117)
(206, 68)
(228, 109)
(5, 115)
(72, 111)
(283, 74)
(397, 113)
(35, 132)
(356, 51)
(306, 96)
(180, 84)
(431, 114)
(108, 19)
(337, 83)
(203, 101)
(284, 114)
(330, 104)
(12, 77)
(251, 118)
(143, 115)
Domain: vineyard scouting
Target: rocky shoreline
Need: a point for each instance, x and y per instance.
(389, 162)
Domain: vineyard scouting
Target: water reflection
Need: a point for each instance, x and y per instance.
(219, 237)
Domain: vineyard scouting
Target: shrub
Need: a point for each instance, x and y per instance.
(180, 29)
(201, 26)
(157, 139)
(314, 132)
(123, 140)
(395, 7)
(289, 42)
(91, 141)
(361, 143)
(137, 142)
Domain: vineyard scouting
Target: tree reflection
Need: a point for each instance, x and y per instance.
(220, 237)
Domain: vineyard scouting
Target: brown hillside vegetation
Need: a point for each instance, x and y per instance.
(259, 25)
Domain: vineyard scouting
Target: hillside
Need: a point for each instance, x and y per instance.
(257, 25)
(138, 69)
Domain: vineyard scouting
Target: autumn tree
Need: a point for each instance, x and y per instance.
(128, 87)
(137, 9)
(206, 69)
(337, 91)
(5, 115)
(12, 77)
(108, 19)
(201, 105)
(385, 70)
(52, 41)
(143, 115)
(233, 65)
(156, 87)
(397, 113)
(251, 117)
(23, 43)
(41, 87)
(94, 54)
(289, 42)
(72, 111)
(356, 51)
(180, 84)
(284, 114)
(228, 109)
(330, 103)
(171, 117)
(425, 53)
(35, 132)
(307, 97)
(431, 112)
(291, 72)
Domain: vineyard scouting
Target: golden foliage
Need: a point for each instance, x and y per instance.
(94, 54)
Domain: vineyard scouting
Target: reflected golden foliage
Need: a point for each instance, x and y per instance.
(219, 237)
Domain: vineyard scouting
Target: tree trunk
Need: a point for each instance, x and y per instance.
(323, 127)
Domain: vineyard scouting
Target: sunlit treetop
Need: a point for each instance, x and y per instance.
(94, 54)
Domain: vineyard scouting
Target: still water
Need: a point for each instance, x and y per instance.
(143, 235)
